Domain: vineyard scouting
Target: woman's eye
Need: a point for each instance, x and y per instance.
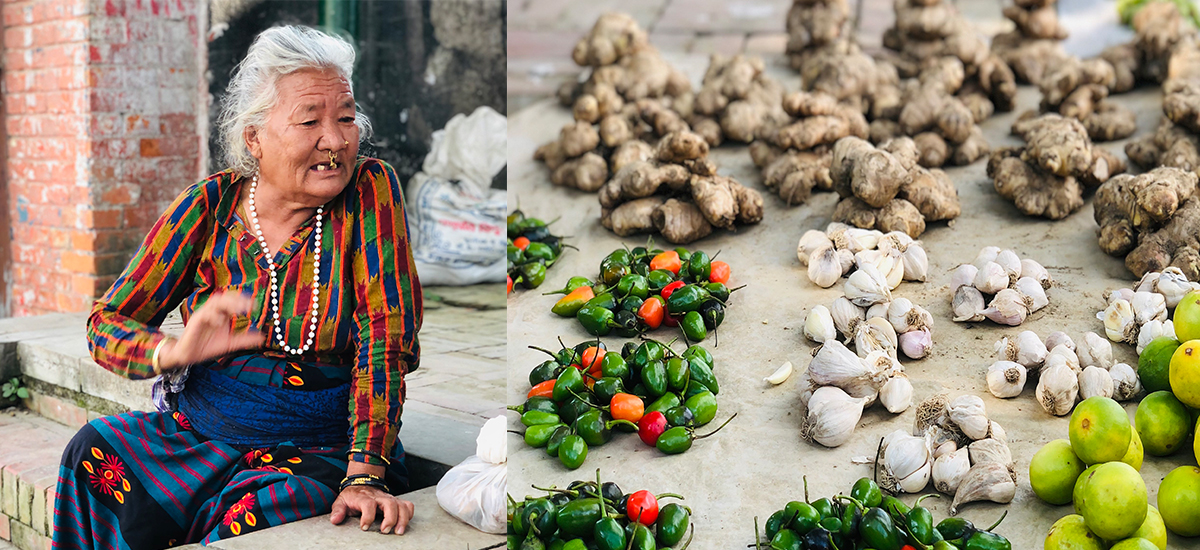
(309, 123)
(348, 119)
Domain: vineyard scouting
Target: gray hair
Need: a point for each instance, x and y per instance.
(252, 90)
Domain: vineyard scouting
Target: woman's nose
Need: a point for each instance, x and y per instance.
(333, 137)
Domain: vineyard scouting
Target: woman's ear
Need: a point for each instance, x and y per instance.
(250, 134)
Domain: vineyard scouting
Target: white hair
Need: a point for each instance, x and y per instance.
(252, 90)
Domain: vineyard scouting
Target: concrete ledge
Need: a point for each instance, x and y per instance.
(431, 527)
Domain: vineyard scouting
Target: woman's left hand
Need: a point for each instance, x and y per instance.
(364, 501)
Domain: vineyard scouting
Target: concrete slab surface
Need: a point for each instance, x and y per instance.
(757, 463)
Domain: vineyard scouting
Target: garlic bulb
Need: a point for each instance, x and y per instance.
(990, 450)
(846, 316)
(968, 413)
(1095, 351)
(818, 326)
(1062, 355)
(988, 254)
(1030, 268)
(1025, 348)
(916, 344)
(1119, 323)
(915, 263)
(1147, 282)
(807, 387)
(824, 267)
(905, 455)
(871, 337)
(1095, 381)
(845, 260)
(1147, 334)
(1057, 389)
(897, 394)
(997, 432)
(968, 304)
(844, 239)
(867, 286)
(878, 310)
(810, 242)
(831, 421)
(1169, 329)
(949, 469)
(1059, 338)
(1006, 379)
(964, 275)
(834, 365)
(986, 481)
(1148, 306)
(1111, 296)
(1173, 285)
(882, 330)
(1011, 264)
(1035, 295)
(1126, 384)
(1007, 308)
(991, 278)
(896, 240)
(906, 316)
(825, 394)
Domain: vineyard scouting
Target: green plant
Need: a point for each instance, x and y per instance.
(14, 388)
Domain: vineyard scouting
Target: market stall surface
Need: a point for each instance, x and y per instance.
(758, 462)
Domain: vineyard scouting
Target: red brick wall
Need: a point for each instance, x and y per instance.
(101, 100)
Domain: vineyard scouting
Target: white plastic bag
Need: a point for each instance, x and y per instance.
(456, 221)
(474, 491)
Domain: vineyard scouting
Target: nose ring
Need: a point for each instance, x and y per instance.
(332, 160)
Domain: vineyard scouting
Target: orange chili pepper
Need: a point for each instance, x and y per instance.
(521, 242)
(592, 356)
(545, 389)
(668, 260)
(719, 272)
(651, 312)
(569, 305)
(625, 406)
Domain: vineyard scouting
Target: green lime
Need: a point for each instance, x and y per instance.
(1070, 533)
(1154, 364)
(1053, 471)
(1185, 373)
(1099, 430)
(1162, 422)
(1179, 501)
(1115, 501)
(1153, 529)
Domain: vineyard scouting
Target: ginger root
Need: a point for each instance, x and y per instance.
(1128, 206)
(613, 36)
(1176, 244)
(739, 96)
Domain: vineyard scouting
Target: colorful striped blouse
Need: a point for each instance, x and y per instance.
(370, 302)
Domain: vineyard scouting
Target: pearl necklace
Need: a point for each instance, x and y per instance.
(316, 286)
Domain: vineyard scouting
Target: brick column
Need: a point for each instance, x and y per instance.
(101, 100)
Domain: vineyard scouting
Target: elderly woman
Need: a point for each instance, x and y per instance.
(281, 399)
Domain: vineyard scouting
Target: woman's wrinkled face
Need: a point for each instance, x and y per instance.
(314, 116)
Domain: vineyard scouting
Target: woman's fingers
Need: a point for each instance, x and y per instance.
(406, 514)
(366, 505)
(339, 511)
(391, 513)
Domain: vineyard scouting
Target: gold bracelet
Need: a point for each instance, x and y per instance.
(154, 357)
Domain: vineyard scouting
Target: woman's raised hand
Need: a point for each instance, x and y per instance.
(209, 333)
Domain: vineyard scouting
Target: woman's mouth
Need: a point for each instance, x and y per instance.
(324, 167)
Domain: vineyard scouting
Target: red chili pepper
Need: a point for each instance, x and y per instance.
(642, 507)
(671, 288)
(509, 285)
(651, 312)
(521, 242)
(719, 272)
(671, 320)
(545, 389)
(668, 260)
(652, 425)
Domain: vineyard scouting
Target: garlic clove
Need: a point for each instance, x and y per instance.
(883, 331)
(1148, 306)
(1057, 388)
(1095, 381)
(988, 254)
(846, 240)
(1058, 338)
(1126, 384)
(1119, 323)
(846, 316)
(1147, 282)
(1111, 296)
(835, 228)
(1030, 268)
(834, 365)
(867, 286)
(818, 326)
(870, 337)
(892, 268)
(991, 278)
(907, 317)
(1169, 329)
(832, 421)
(845, 260)
(868, 257)
(810, 242)
(968, 413)
(949, 470)
(1095, 351)
(878, 310)
(918, 480)
(1147, 334)
(824, 267)
(915, 263)
(867, 238)
(944, 448)
(1030, 351)
(1063, 355)
(1034, 294)
(1011, 264)
(997, 432)
(964, 275)
(916, 344)
(780, 375)
(989, 481)
(990, 450)
(1173, 285)
(1006, 379)
(897, 394)
(1007, 308)
(905, 455)
(968, 304)
(807, 388)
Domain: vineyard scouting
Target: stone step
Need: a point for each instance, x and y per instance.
(29, 471)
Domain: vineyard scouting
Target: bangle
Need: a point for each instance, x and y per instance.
(368, 457)
(154, 357)
(369, 480)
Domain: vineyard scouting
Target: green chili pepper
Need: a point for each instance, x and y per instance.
(532, 542)
(678, 373)
(785, 539)
(605, 300)
(543, 372)
(955, 528)
(894, 507)
(699, 351)
(646, 353)
(663, 404)
(596, 320)
(631, 304)
(713, 314)
(572, 409)
(572, 452)
(804, 518)
(539, 515)
(533, 274)
(539, 251)
(699, 266)
(654, 378)
(578, 518)
(672, 524)
(686, 298)
(515, 255)
(704, 407)
(693, 326)
(516, 521)
(533, 418)
(684, 254)
(514, 224)
(642, 539)
(675, 440)
(556, 438)
(572, 284)
(878, 531)
(718, 291)
(543, 404)
(943, 545)
(833, 525)
(568, 306)
(851, 518)
(573, 544)
(775, 523)
(569, 383)
(605, 388)
(619, 256)
(701, 373)
(567, 356)
(633, 285)
(867, 492)
(983, 540)
(610, 274)
(659, 278)
(920, 523)
(538, 436)
(625, 324)
(825, 507)
(680, 416)
(608, 534)
(592, 427)
(638, 253)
